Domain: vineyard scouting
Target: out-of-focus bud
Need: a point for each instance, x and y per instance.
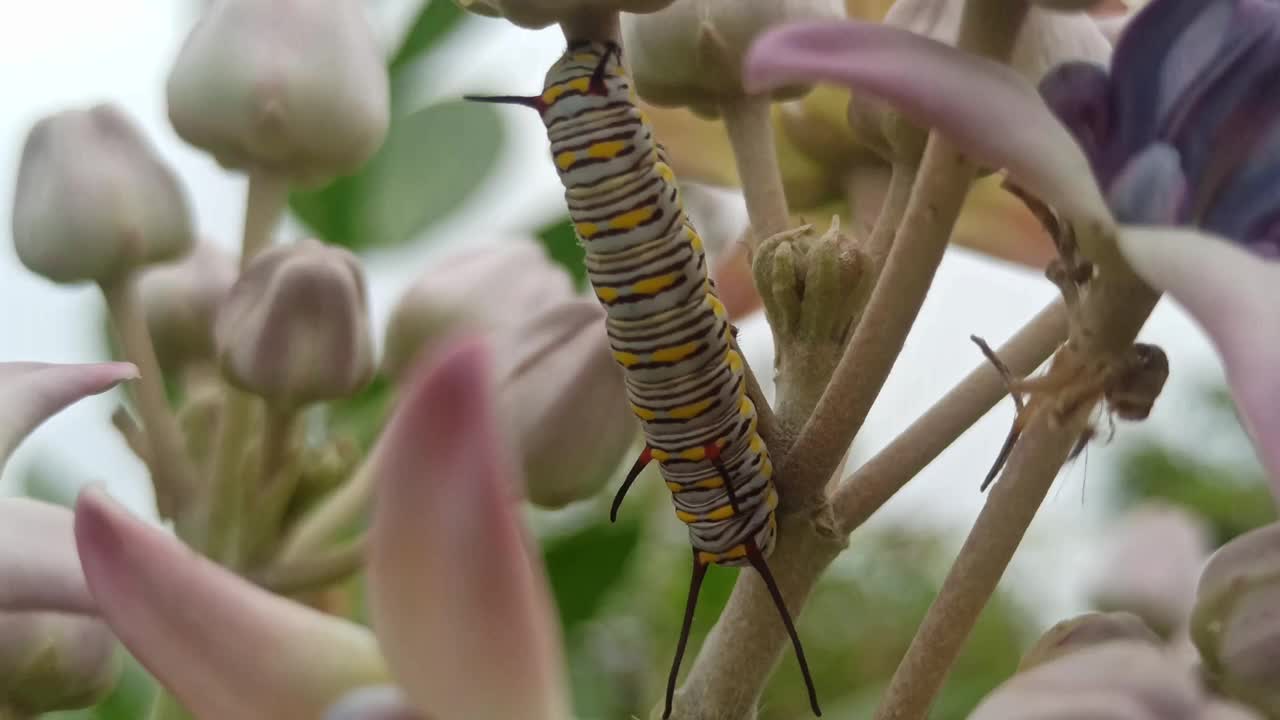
(294, 328)
(562, 402)
(379, 702)
(535, 14)
(1068, 5)
(181, 300)
(1236, 625)
(93, 200)
(491, 289)
(54, 661)
(1122, 680)
(1151, 565)
(690, 54)
(1085, 631)
(298, 89)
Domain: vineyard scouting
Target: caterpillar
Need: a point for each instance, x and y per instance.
(685, 378)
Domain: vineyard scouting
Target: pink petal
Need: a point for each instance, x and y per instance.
(224, 647)
(983, 107)
(379, 702)
(31, 393)
(460, 604)
(39, 569)
(1234, 295)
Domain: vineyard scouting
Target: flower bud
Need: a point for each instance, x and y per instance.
(294, 328)
(181, 299)
(536, 14)
(297, 88)
(563, 403)
(55, 661)
(1151, 566)
(1235, 624)
(494, 288)
(1086, 631)
(690, 53)
(93, 200)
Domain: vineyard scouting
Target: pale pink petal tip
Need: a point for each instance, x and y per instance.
(985, 108)
(460, 603)
(39, 568)
(224, 647)
(1233, 294)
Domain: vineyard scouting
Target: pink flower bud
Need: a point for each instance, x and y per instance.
(54, 661)
(294, 87)
(1085, 631)
(93, 200)
(535, 14)
(181, 300)
(294, 328)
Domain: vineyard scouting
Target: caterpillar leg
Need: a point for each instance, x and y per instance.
(1010, 383)
(695, 584)
(713, 454)
(758, 562)
(639, 465)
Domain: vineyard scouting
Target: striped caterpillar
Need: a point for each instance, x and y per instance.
(668, 330)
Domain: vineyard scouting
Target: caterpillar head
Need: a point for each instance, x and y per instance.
(589, 75)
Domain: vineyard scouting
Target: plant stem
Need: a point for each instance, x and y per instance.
(592, 25)
(317, 571)
(879, 478)
(892, 211)
(316, 530)
(267, 195)
(172, 472)
(268, 498)
(1111, 314)
(746, 119)
(228, 489)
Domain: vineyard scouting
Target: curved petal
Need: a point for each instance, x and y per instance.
(31, 393)
(1234, 295)
(460, 605)
(225, 648)
(1079, 93)
(39, 569)
(1150, 189)
(985, 108)
(379, 702)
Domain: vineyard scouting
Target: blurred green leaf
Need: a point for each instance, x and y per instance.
(432, 160)
(362, 415)
(435, 20)
(562, 245)
(585, 565)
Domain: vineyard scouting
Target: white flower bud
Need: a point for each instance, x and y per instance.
(535, 14)
(690, 54)
(54, 661)
(293, 87)
(295, 328)
(1152, 562)
(1086, 631)
(182, 298)
(93, 200)
(1236, 625)
(563, 403)
(491, 289)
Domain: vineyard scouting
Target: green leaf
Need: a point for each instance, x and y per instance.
(585, 565)
(432, 160)
(436, 19)
(563, 246)
(362, 415)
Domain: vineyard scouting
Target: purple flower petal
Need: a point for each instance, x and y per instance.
(1150, 189)
(983, 107)
(31, 393)
(1079, 93)
(1233, 295)
(224, 647)
(39, 569)
(460, 604)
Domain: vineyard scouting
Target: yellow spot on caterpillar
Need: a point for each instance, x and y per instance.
(772, 501)
(642, 413)
(734, 553)
(631, 219)
(717, 307)
(695, 454)
(607, 294)
(734, 360)
(626, 359)
(767, 469)
(710, 483)
(553, 93)
(745, 407)
(665, 172)
(685, 517)
(606, 150)
(675, 354)
(695, 240)
(659, 455)
(757, 443)
(586, 229)
(720, 513)
(690, 411)
(566, 159)
(654, 285)
(675, 487)
(706, 558)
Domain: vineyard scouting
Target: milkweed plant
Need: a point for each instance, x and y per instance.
(1126, 151)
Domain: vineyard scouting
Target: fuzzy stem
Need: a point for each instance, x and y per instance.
(892, 211)
(746, 119)
(172, 472)
(228, 486)
(1112, 313)
(267, 196)
(317, 571)
(879, 478)
(268, 499)
(592, 25)
(316, 530)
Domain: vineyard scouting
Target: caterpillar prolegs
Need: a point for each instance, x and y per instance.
(668, 330)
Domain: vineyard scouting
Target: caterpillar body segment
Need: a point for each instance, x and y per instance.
(668, 331)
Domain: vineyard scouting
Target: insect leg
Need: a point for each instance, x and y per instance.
(713, 454)
(639, 465)
(695, 584)
(758, 562)
(1016, 430)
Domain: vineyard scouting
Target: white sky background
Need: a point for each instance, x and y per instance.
(60, 53)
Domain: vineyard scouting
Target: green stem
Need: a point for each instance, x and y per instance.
(228, 486)
(318, 571)
(892, 211)
(267, 499)
(317, 529)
